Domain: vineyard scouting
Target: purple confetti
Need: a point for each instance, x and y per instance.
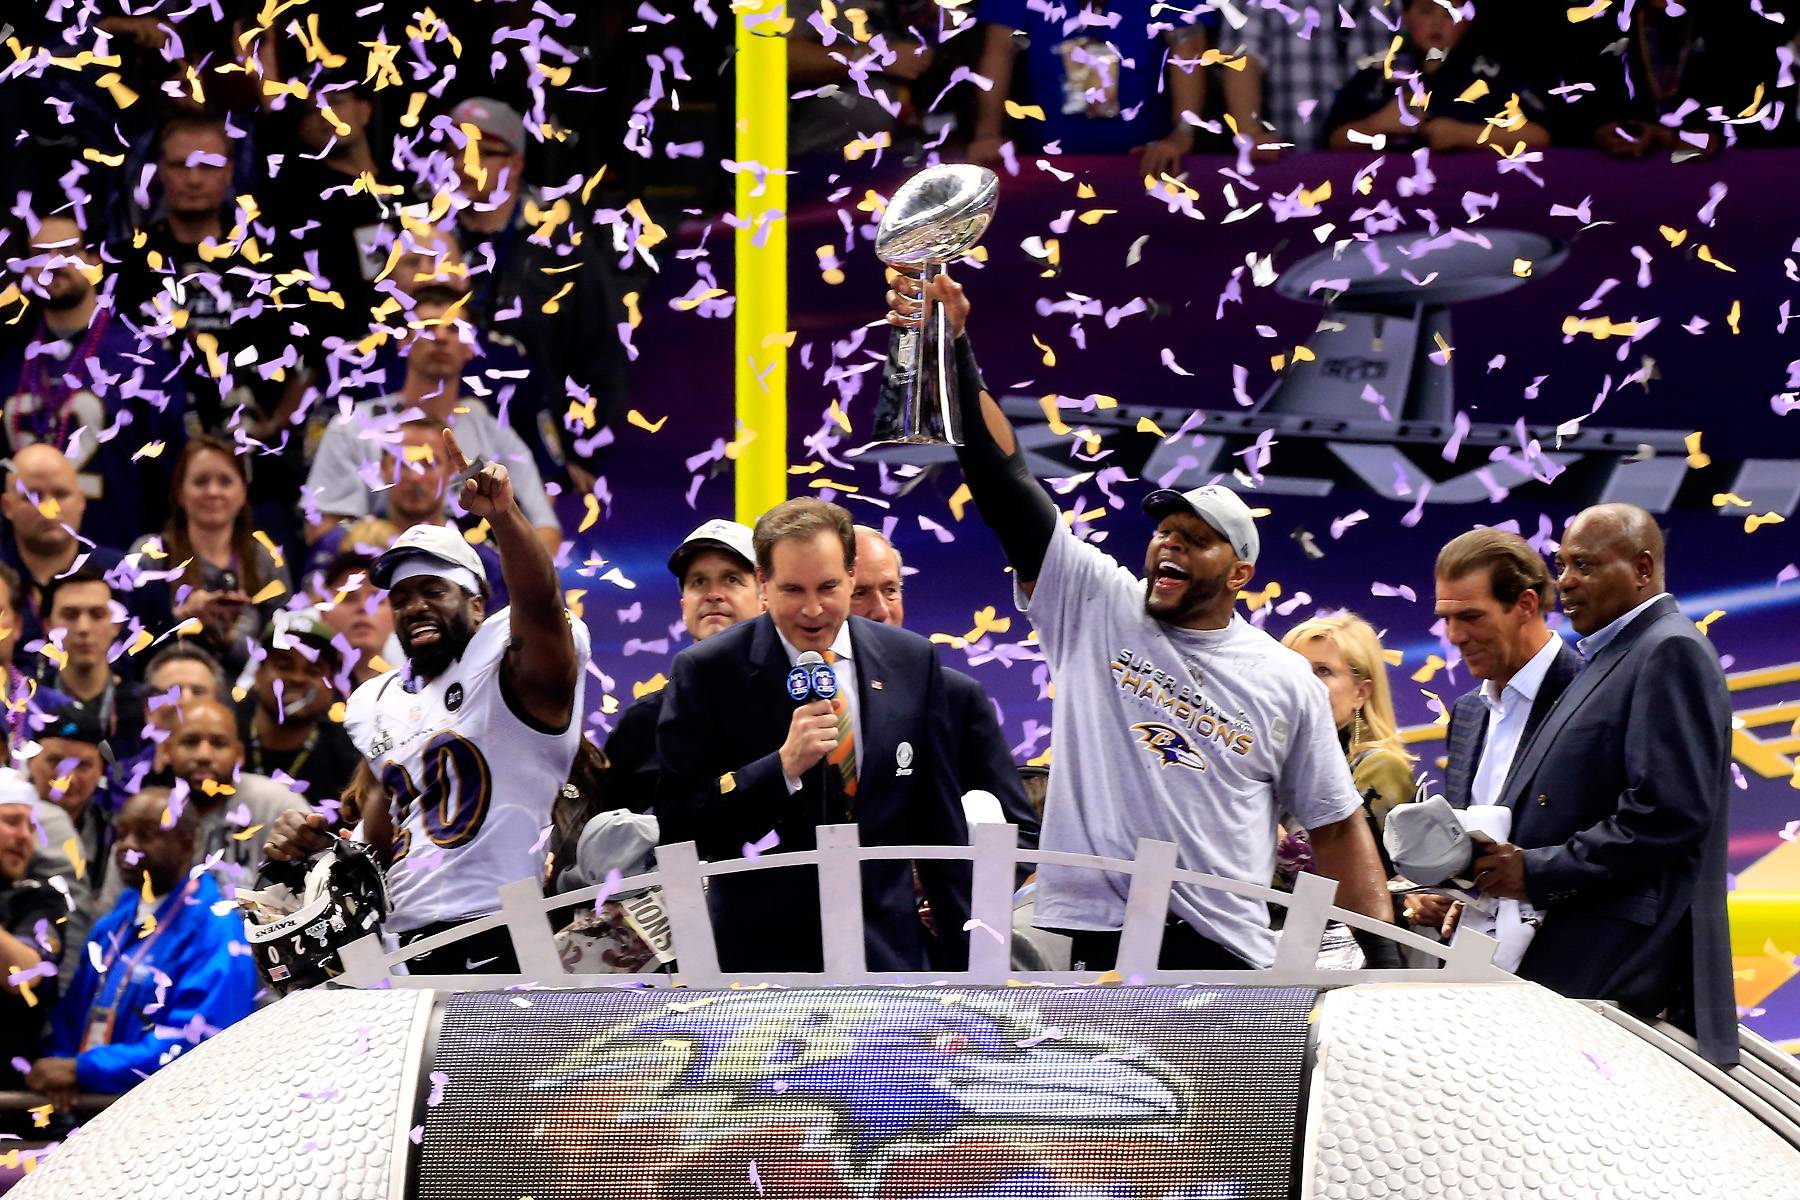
(439, 1081)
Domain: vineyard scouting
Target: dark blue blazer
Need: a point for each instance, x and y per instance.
(724, 717)
(1619, 803)
(1467, 734)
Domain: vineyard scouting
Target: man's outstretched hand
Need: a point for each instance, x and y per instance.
(488, 492)
(905, 306)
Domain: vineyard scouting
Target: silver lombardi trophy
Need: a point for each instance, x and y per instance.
(934, 218)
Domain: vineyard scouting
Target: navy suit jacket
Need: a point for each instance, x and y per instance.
(1619, 803)
(983, 760)
(725, 715)
(1467, 734)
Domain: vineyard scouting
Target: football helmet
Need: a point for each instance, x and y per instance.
(302, 913)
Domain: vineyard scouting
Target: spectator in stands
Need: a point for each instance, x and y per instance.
(31, 940)
(69, 773)
(283, 725)
(1688, 70)
(347, 467)
(186, 672)
(43, 508)
(229, 570)
(185, 274)
(1098, 78)
(741, 761)
(82, 622)
(358, 612)
(1286, 63)
(319, 200)
(367, 536)
(87, 370)
(855, 73)
(504, 375)
(19, 696)
(715, 568)
(165, 969)
(515, 272)
(1437, 91)
(180, 673)
(204, 760)
(983, 761)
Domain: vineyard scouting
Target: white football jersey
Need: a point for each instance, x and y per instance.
(470, 783)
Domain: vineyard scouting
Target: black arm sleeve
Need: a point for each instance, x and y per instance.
(1015, 507)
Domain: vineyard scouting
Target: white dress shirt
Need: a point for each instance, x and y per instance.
(1508, 708)
(845, 670)
(1510, 923)
(1597, 641)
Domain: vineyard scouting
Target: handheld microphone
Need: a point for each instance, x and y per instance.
(811, 679)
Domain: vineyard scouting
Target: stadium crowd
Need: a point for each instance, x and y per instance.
(294, 373)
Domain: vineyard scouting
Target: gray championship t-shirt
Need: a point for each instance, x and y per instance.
(1196, 737)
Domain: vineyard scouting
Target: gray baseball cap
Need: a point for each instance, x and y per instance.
(494, 119)
(1219, 507)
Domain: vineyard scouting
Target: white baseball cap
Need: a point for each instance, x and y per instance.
(1219, 507)
(428, 544)
(16, 789)
(729, 536)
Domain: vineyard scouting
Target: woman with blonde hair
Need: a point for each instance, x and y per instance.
(1346, 657)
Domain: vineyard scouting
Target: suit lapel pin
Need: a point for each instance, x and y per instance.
(875, 684)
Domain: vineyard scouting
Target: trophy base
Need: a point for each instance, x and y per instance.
(916, 439)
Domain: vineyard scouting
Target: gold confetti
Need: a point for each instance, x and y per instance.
(572, 601)
(1433, 664)
(834, 485)
(269, 592)
(1256, 600)
(1084, 191)
(1309, 197)
(1674, 236)
(1599, 328)
(244, 835)
(1020, 112)
(1588, 12)
(1752, 523)
(1705, 623)
(339, 710)
(1522, 268)
(1443, 716)
(1705, 255)
(645, 423)
(592, 513)
(1146, 425)
(959, 500)
(831, 275)
(1093, 216)
(1721, 499)
(1057, 425)
(655, 683)
(1049, 354)
(72, 851)
(633, 317)
(836, 415)
(1732, 317)
(1474, 91)
(1695, 458)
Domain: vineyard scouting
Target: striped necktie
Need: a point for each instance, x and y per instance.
(843, 755)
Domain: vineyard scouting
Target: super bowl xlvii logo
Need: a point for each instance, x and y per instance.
(1170, 745)
(880, 1083)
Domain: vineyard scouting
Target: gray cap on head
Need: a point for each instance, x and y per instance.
(1219, 507)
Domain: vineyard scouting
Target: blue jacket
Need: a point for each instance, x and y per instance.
(204, 986)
